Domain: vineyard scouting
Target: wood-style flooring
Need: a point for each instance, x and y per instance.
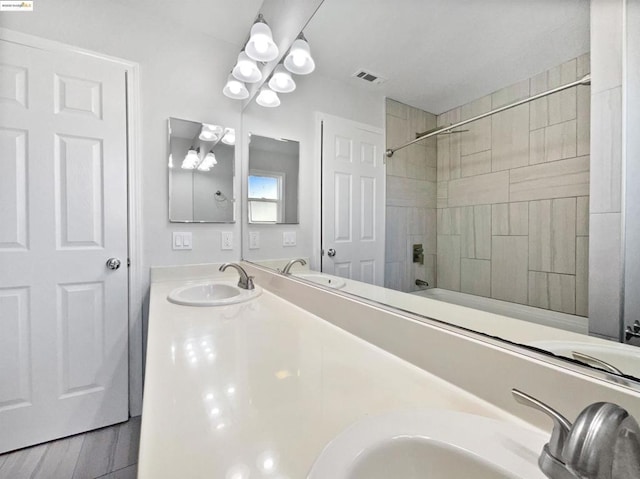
(107, 453)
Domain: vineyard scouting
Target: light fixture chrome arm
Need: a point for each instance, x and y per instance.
(586, 80)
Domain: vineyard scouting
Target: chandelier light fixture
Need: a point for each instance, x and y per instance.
(261, 46)
(259, 50)
(208, 162)
(299, 59)
(268, 98)
(246, 69)
(229, 137)
(281, 80)
(191, 159)
(235, 89)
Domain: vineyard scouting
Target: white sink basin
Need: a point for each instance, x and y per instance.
(621, 356)
(323, 279)
(434, 444)
(211, 293)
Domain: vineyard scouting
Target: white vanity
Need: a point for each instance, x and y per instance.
(260, 388)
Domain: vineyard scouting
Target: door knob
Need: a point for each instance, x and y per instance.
(331, 253)
(113, 263)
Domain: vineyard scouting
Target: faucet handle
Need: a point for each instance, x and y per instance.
(561, 426)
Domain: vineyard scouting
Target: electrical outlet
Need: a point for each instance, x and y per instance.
(254, 240)
(227, 240)
(182, 240)
(289, 238)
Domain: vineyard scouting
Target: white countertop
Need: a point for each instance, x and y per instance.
(261, 388)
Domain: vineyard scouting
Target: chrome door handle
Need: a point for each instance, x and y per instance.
(113, 263)
(331, 253)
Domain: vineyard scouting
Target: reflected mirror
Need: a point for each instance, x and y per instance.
(201, 171)
(493, 214)
(272, 181)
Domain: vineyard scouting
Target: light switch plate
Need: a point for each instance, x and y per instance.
(254, 240)
(182, 240)
(226, 240)
(289, 238)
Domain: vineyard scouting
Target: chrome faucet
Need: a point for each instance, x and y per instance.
(603, 442)
(287, 267)
(246, 281)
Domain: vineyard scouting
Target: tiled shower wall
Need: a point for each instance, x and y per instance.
(512, 195)
(411, 198)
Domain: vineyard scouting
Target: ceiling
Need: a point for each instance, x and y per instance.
(439, 54)
(227, 20)
(433, 54)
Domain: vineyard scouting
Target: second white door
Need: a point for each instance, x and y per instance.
(353, 199)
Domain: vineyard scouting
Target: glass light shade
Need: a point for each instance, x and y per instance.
(208, 162)
(235, 89)
(281, 80)
(268, 98)
(261, 46)
(299, 60)
(246, 69)
(191, 160)
(210, 132)
(229, 137)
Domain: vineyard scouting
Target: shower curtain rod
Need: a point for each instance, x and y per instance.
(585, 80)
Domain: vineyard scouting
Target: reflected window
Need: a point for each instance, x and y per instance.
(266, 198)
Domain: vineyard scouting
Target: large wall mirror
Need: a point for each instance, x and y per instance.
(201, 170)
(493, 215)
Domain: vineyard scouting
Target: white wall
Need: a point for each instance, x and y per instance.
(295, 119)
(182, 74)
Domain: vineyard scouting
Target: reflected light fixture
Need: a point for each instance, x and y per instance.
(235, 89)
(192, 159)
(229, 137)
(261, 46)
(210, 132)
(246, 69)
(299, 60)
(268, 98)
(208, 162)
(281, 80)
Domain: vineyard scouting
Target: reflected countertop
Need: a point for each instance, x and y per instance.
(258, 389)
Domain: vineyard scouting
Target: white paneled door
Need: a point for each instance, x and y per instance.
(353, 199)
(63, 215)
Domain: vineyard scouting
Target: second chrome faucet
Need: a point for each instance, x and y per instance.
(602, 443)
(287, 267)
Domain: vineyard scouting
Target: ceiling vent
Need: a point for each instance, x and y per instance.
(368, 77)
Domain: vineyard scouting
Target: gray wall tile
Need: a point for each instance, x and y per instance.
(519, 219)
(509, 269)
(476, 164)
(582, 216)
(482, 230)
(540, 235)
(475, 277)
(562, 293)
(559, 179)
(562, 105)
(538, 289)
(481, 189)
(560, 141)
(448, 262)
(500, 219)
(510, 138)
(563, 234)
